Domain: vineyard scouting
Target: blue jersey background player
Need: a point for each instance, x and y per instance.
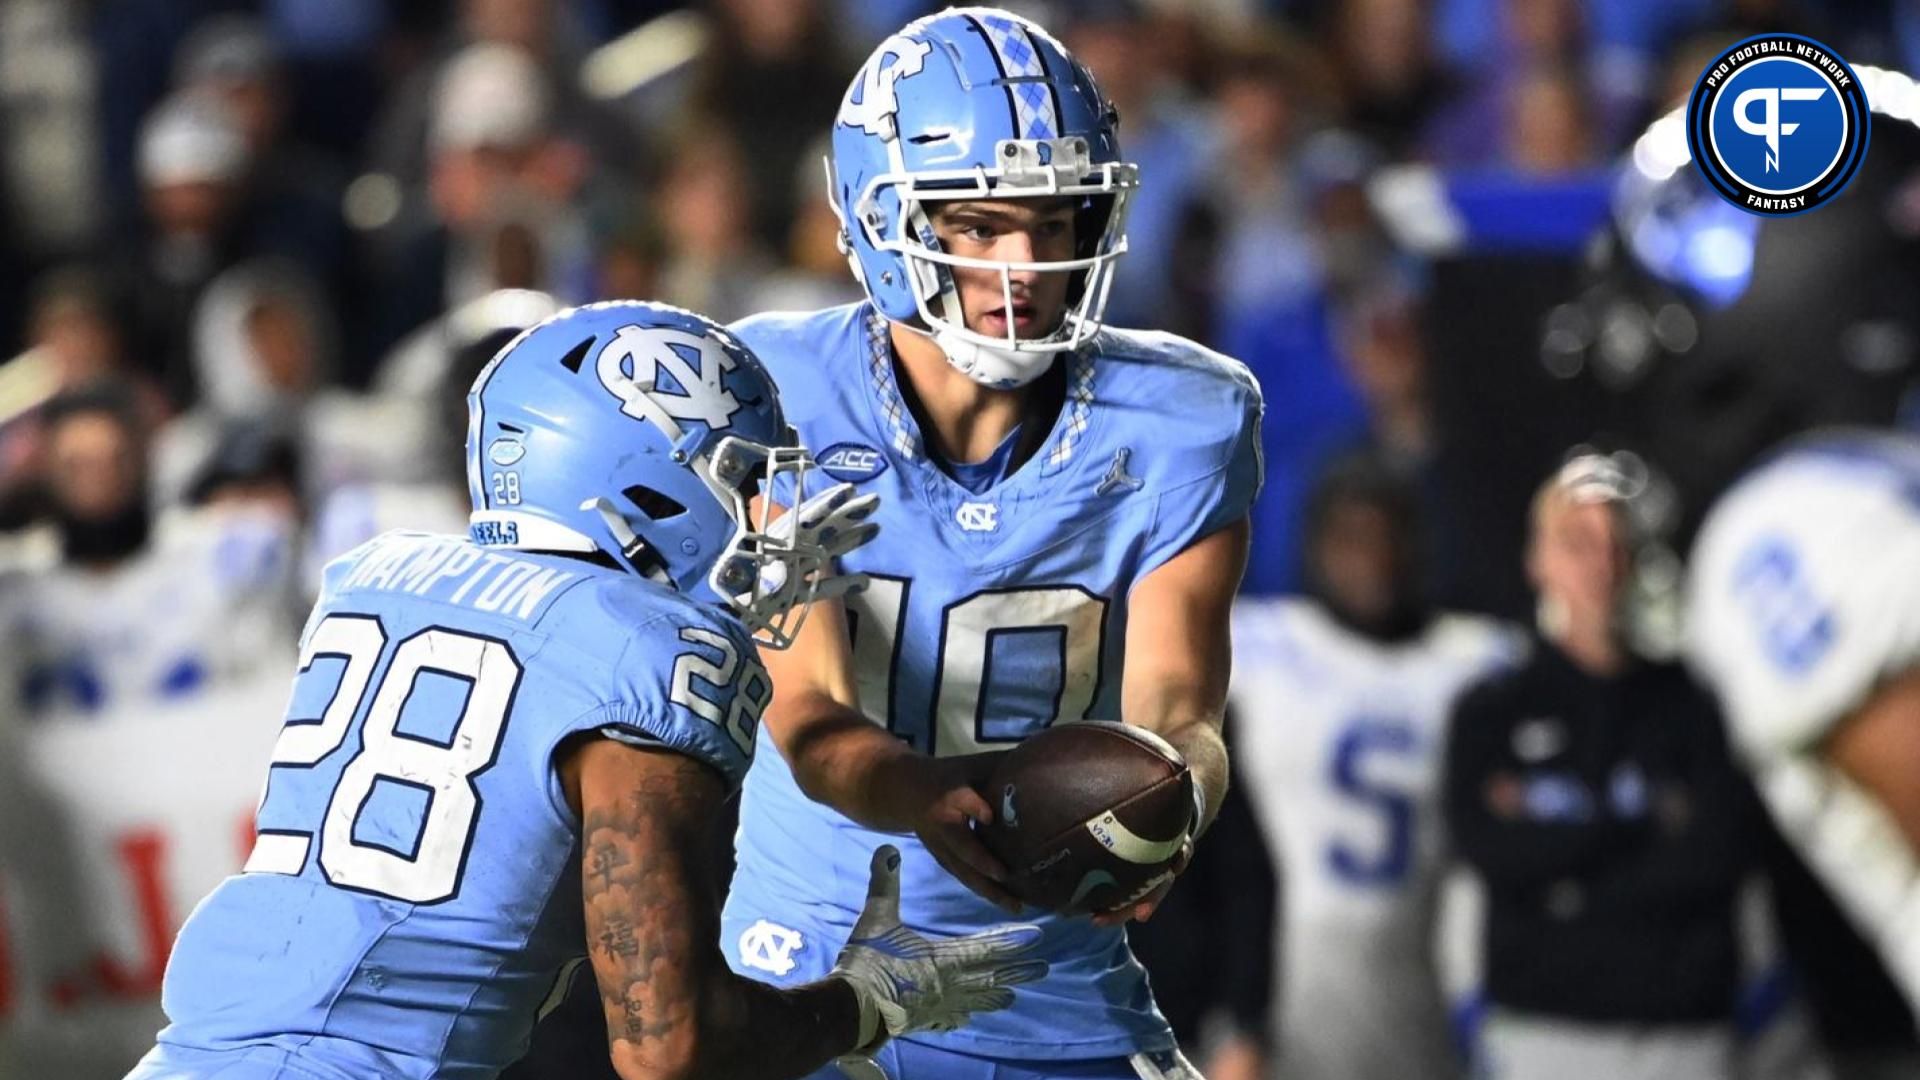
(502, 752)
(1063, 511)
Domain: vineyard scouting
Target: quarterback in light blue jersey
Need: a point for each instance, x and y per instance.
(503, 753)
(1063, 510)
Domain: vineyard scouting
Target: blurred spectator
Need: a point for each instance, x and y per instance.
(293, 191)
(627, 266)
(424, 384)
(74, 338)
(1550, 128)
(772, 74)
(193, 163)
(402, 143)
(254, 468)
(1383, 63)
(503, 201)
(133, 43)
(1269, 289)
(1383, 344)
(815, 274)
(264, 347)
(132, 614)
(139, 649)
(1386, 357)
(1500, 115)
(714, 264)
(1595, 795)
(1172, 137)
(1340, 699)
(51, 155)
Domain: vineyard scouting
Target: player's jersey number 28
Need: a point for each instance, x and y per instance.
(441, 769)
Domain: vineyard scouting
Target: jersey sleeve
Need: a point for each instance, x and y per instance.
(1211, 472)
(695, 686)
(648, 668)
(1804, 595)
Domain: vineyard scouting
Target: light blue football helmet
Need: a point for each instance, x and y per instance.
(976, 103)
(641, 431)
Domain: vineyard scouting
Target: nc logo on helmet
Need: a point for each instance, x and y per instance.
(649, 371)
(897, 57)
(1778, 124)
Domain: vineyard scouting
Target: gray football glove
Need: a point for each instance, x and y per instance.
(906, 982)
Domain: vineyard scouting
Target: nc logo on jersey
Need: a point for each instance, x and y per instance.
(769, 947)
(668, 376)
(978, 517)
(1778, 124)
(870, 102)
(851, 462)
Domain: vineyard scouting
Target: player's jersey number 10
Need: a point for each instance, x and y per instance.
(1008, 663)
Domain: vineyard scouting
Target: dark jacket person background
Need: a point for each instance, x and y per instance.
(1594, 793)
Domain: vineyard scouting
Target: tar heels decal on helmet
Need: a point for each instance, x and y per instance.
(851, 462)
(896, 58)
(668, 376)
(1778, 124)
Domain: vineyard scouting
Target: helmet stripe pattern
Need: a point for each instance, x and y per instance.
(1035, 115)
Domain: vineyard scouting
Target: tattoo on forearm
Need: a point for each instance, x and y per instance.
(652, 930)
(617, 939)
(642, 914)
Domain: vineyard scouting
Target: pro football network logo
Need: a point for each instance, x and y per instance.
(1778, 124)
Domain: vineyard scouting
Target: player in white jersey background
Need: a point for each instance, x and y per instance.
(1804, 613)
(1340, 701)
(133, 637)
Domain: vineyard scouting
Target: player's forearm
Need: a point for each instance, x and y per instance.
(1190, 718)
(1199, 741)
(751, 1031)
(843, 760)
(672, 1008)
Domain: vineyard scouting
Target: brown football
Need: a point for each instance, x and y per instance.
(1089, 816)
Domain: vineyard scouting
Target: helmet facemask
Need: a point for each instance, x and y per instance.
(770, 572)
(1026, 169)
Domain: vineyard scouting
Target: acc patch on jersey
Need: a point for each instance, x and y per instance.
(851, 462)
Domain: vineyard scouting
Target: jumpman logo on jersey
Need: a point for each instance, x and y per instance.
(1117, 478)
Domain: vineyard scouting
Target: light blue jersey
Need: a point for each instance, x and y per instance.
(990, 616)
(414, 895)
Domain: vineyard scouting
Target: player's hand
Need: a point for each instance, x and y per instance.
(906, 982)
(946, 805)
(835, 522)
(1142, 909)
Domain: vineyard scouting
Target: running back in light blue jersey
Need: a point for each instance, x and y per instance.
(990, 616)
(413, 899)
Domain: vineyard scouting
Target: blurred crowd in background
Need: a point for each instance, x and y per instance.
(254, 253)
